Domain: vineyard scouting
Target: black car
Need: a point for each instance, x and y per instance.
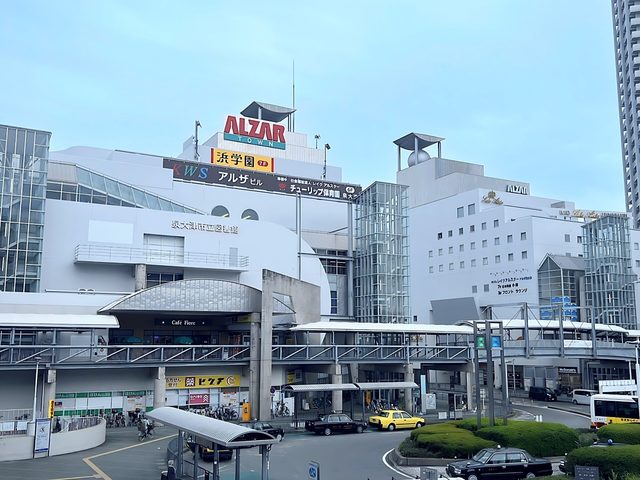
(334, 423)
(500, 463)
(276, 432)
(563, 467)
(542, 393)
(208, 454)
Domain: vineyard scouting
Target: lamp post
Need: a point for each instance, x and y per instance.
(317, 137)
(35, 390)
(324, 168)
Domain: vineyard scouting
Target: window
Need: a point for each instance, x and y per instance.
(636, 246)
(496, 223)
(450, 250)
(471, 209)
(474, 289)
(472, 228)
(484, 244)
(524, 255)
(472, 245)
(249, 214)
(509, 238)
(430, 253)
(462, 264)
(154, 279)
(439, 235)
(451, 266)
(461, 247)
(430, 269)
(485, 260)
(496, 241)
(637, 263)
(334, 302)
(460, 231)
(483, 225)
(439, 252)
(510, 257)
(486, 287)
(579, 239)
(567, 237)
(473, 262)
(523, 235)
(497, 259)
(220, 211)
(460, 212)
(450, 233)
(440, 268)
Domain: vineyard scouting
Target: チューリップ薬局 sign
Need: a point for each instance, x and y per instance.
(254, 132)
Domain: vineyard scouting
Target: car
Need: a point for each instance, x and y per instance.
(276, 432)
(334, 423)
(563, 466)
(500, 463)
(208, 454)
(542, 393)
(581, 396)
(392, 419)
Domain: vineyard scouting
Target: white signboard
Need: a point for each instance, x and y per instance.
(43, 432)
(430, 401)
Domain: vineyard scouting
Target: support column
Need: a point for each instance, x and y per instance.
(159, 387)
(140, 277)
(254, 364)
(336, 395)
(408, 392)
(265, 359)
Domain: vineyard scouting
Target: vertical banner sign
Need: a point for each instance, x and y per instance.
(43, 433)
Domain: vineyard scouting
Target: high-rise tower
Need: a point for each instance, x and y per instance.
(626, 29)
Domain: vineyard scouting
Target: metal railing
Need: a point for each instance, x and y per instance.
(158, 256)
(14, 421)
(367, 353)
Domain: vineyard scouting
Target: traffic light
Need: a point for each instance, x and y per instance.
(52, 404)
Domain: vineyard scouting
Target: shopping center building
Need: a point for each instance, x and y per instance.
(133, 280)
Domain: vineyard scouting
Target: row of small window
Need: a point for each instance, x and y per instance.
(333, 266)
(471, 210)
(485, 288)
(472, 228)
(472, 245)
(485, 261)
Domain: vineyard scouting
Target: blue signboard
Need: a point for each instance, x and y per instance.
(546, 313)
(496, 341)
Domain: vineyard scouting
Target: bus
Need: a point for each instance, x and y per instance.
(608, 408)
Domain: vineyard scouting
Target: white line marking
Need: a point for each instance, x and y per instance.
(384, 460)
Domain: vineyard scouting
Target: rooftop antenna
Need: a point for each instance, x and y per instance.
(324, 167)
(293, 94)
(196, 155)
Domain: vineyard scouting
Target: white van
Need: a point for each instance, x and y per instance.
(582, 397)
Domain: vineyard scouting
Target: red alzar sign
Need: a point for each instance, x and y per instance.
(257, 128)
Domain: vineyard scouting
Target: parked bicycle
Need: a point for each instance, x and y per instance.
(318, 403)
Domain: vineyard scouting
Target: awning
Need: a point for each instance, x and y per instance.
(361, 327)
(326, 387)
(58, 321)
(321, 387)
(207, 429)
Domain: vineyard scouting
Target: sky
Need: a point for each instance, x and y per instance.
(525, 88)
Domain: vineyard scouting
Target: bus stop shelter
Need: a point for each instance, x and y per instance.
(213, 433)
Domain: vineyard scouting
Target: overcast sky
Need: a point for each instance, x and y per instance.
(525, 88)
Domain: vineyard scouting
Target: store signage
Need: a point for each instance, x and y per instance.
(183, 322)
(203, 381)
(199, 399)
(512, 282)
(43, 434)
(245, 161)
(254, 132)
(204, 227)
(253, 180)
(492, 197)
(592, 214)
(567, 370)
(521, 189)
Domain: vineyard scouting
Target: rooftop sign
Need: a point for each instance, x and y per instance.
(254, 132)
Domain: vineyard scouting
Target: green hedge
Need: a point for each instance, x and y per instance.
(443, 440)
(621, 433)
(614, 462)
(539, 439)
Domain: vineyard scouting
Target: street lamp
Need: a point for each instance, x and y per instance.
(324, 168)
(317, 137)
(35, 390)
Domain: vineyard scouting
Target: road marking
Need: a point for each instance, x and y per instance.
(99, 472)
(384, 460)
(76, 478)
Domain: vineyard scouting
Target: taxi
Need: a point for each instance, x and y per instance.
(392, 419)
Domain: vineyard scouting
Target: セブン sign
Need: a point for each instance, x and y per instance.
(254, 132)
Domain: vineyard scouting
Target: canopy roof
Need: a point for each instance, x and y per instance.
(408, 141)
(58, 321)
(270, 112)
(328, 387)
(328, 326)
(211, 430)
(534, 324)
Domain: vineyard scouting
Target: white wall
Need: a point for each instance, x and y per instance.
(16, 448)
(78, 440)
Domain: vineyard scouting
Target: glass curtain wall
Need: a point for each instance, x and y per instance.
(24, 155)
(381, 267)
(609, 279)
(559, 287)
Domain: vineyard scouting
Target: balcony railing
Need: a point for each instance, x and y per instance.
(158, 256)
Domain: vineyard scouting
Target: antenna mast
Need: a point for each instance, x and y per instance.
(293, 87)
(196, 155)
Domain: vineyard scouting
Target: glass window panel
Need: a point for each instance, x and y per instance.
(153, 202)
(165, 205)
(97, 182)
(112, 188)
(140, 197)
(126, 193)
(84, 178)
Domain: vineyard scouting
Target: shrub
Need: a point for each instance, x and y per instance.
(408, 448)
(539, 439)
(449, 427)
(471, 424)
(443, 440)
(613, 462)
(621, 433)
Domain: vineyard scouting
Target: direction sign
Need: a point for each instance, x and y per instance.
(314, 471)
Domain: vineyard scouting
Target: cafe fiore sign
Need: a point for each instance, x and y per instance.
(203, 381)
(254, 180)
(245, 161)
(254, 132)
